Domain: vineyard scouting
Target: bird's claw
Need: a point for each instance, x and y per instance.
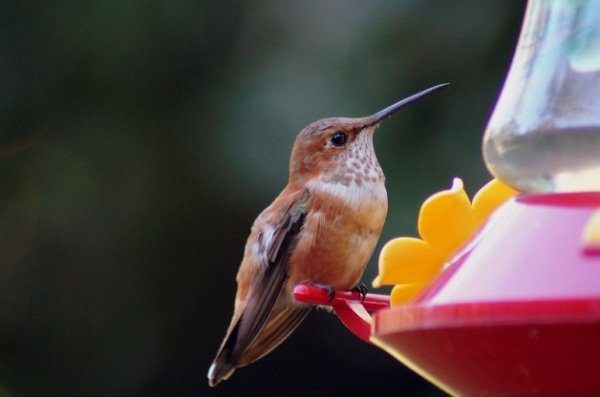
(362, 291)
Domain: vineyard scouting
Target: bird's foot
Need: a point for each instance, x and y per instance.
(362, 290)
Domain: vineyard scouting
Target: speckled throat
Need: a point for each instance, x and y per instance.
(357, 165)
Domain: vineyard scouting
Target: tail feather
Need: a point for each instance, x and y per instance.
(225, 361)
(219, 370)
(281, 324)
(233, 355)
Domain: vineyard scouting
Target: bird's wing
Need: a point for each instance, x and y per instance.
(260, 328)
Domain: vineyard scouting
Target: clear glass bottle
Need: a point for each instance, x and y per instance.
(544, 134)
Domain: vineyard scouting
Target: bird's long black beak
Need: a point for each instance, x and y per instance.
(387, 112)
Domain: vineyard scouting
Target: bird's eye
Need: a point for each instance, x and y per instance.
(339, 139)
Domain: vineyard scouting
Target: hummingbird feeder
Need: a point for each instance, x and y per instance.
(516, 309)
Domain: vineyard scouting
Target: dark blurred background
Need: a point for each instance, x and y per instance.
(139, 139)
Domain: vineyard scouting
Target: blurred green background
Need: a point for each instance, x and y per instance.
(139, 139)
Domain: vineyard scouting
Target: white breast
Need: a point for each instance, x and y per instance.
(356, 196)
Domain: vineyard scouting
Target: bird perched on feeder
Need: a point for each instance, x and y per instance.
(321, 229)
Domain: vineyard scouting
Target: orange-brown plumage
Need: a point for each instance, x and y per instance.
(322, 228)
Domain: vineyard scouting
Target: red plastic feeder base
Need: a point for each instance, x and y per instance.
(517, 348)
(517, 312)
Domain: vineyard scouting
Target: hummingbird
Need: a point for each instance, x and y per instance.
(321, 229)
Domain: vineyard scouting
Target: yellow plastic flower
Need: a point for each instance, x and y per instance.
(447, 220)
(591, 233)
